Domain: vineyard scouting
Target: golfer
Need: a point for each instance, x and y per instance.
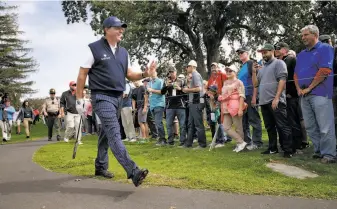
(107, 64)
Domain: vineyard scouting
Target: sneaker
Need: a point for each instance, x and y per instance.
(49, 139)
(241, 146)
(4, 140)
(252, 147)
(316, 156)
(80, 142)
(199, 148)
(105, 174)
(219, 145)
(236, 147)
(326, 160)
(181, 145)
(161, 143)
(66, 140)
(133, 140)
(287, 155)
(195, 140)
(304, 145)
(125, 140)
(269, 152)
(58, 137)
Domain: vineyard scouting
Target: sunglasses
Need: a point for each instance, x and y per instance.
(229, 71)
(277, 47)
(240, 53)
(73, 85)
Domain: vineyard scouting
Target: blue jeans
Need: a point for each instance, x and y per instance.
(170, 114)
(158, 113)
(319, 123)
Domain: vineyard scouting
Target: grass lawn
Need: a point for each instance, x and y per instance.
(221, 169)
(38, 131)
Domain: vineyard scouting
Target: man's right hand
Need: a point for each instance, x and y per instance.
(144, 111)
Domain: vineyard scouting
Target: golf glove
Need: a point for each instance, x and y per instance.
(80, 106)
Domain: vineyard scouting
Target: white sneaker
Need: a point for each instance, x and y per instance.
(80, 142)
(241, 146)
(219, 145)
(125, 140)
(133, 140)
(234, 150)
(66, 140)
(251, 147)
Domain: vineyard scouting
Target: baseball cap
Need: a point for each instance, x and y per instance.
(214, 63)
(52, 91)
(242, 49)
(232, 67)
(193, 63)
(280, 45)
(324, 37)
(72, 83)
(146, 80)
(113, 21)
(172, 69)
(181, 76)
(267, 47)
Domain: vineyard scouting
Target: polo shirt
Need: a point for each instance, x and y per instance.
(268, 77)
(245, 75)
(156, 100)
(290, 87)
(309, 62)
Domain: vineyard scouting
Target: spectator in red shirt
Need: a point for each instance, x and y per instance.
(216, 81)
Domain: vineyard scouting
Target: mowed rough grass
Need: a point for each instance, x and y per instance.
(220, 169)
(38, 131)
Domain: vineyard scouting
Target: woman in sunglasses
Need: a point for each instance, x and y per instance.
(232, 106)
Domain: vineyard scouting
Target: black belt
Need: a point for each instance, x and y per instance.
(53, 113)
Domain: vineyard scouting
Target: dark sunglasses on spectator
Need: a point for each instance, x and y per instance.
(240, 52)
(73, 85)
(277, 47)
(229, 71)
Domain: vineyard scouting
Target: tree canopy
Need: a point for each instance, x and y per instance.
(15, 63)
(184, 30)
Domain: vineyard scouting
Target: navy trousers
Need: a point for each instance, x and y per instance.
(107, 108)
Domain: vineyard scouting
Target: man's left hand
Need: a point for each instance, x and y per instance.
(149, 71)
(80, 106)
(274, 104)
(306, 91)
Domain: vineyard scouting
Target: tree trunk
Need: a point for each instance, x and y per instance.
(213, 53)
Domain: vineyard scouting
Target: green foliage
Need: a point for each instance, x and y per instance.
(184, 30)
(15, 63)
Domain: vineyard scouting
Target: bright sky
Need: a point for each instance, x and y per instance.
(57, 47)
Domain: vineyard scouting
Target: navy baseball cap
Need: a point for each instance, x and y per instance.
(113, 21)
